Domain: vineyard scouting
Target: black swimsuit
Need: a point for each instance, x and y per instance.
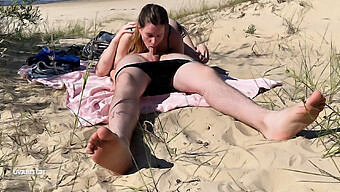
(161, 73)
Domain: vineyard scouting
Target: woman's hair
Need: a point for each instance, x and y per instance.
(151, 13)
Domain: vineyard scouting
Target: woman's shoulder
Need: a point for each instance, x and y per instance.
(174, 34)
(175, 42)
(126, 37)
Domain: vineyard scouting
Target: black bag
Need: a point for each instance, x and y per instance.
(97, 45)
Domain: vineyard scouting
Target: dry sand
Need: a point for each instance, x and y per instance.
(205, 150)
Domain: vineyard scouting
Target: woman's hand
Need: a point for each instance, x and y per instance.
(128, 28)
(202, 53)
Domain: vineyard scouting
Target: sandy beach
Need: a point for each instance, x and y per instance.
(190, 148)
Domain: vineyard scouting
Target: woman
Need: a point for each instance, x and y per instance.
(169, 39)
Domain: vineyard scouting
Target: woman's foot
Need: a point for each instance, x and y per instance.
(282, 125)
(110, 151)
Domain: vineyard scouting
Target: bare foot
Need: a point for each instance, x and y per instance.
(282, 125)
(109, 151)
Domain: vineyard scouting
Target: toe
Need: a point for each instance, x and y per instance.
(89, 151)
(105, 134)
(94, 136)
(89, 148)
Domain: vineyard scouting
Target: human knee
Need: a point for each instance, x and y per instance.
(131, 77)
(125, 78)
(207, 77)
(130, 84)
(207, 72)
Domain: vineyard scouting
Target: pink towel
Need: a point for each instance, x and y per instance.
(95, 102)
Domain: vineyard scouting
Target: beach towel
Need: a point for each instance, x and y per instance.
(93, 104)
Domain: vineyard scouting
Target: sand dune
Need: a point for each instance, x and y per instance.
(188, 149)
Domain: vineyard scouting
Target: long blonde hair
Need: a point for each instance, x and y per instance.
(150, 13)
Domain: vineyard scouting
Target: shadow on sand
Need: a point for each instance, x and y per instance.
(142, 154)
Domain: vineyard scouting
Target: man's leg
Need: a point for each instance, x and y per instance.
(110, 147)
(276, 125)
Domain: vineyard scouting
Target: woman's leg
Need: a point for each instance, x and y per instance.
(110, 147)
(277, 125)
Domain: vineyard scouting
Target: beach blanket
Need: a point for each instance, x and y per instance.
(92, 104)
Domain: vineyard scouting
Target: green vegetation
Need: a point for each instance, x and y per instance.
(251, 29)
(323, 74)
(205, 9)
(16, 17)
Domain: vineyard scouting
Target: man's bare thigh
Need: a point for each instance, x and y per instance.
(175, 56)
(130, 59)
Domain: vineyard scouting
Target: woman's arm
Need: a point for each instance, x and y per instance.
(199, 53)
(123, 48)
(106, 61)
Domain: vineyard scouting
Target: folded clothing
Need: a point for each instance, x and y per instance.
(49, 63)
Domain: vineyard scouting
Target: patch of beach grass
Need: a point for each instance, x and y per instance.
(311, 68)
(321, 73)
(292, 27)
(205, 9)
(76, 124)
(251, 29)
(16, 17)
(73, 29)
(320, 172)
